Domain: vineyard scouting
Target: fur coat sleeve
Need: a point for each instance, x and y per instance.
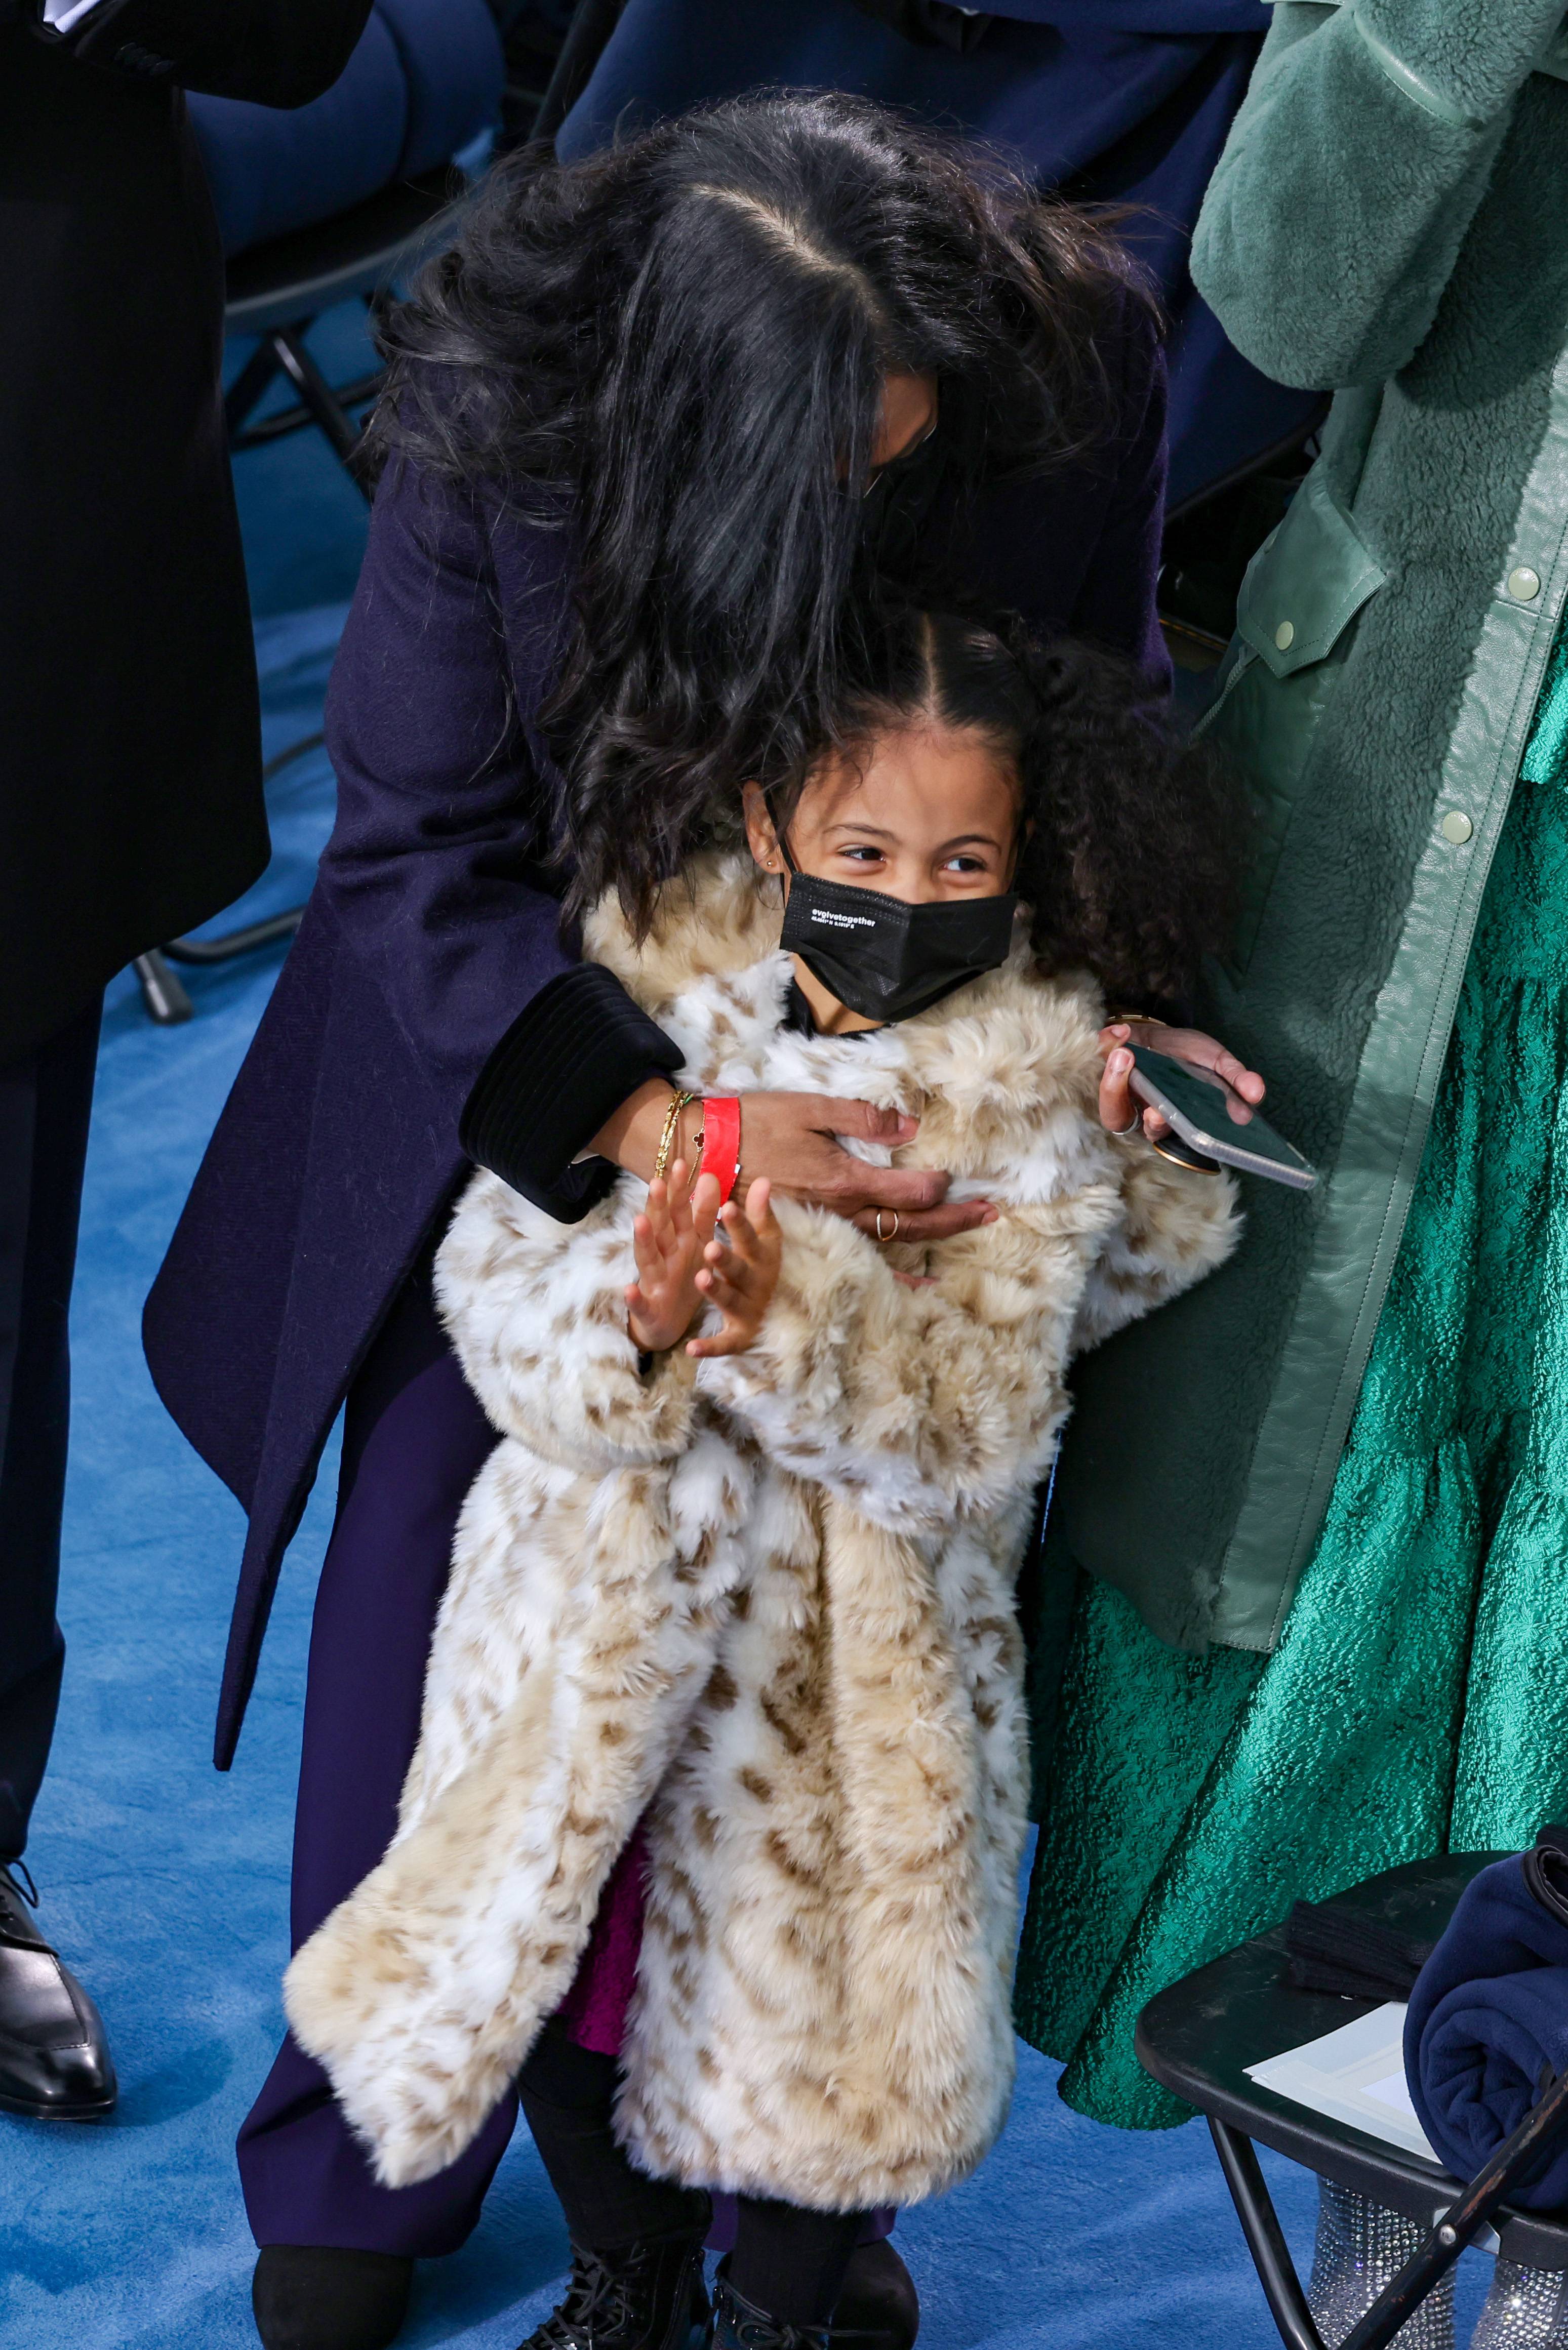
(538, 1316)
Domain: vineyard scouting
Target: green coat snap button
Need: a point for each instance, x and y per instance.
(1457, 828)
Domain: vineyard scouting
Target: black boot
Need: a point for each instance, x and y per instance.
(877, 2299)
(740, 2324)
(55, 2063)
(315, 2297)
(643, 2296)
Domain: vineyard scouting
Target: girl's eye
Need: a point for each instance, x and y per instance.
(966, 865)
(862, 853)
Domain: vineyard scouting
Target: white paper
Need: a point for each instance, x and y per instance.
(1395, 2091)
(1356, 2075)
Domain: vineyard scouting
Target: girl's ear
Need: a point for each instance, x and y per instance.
(760, 833)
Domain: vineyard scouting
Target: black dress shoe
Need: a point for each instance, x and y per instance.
(316, 2297)
(53, 2057)
(878, 2298)
(644, 2296)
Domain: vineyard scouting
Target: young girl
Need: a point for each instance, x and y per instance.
(726, 1692)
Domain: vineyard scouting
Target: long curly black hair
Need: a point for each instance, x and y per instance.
(675, 351)
(1132, 837)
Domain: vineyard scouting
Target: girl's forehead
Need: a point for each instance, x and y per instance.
(911, 778)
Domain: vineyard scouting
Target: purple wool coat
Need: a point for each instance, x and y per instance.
(432, 926)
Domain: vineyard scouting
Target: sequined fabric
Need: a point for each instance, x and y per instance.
(1526, 2309)
(1361, 2247)
(1418, 1700)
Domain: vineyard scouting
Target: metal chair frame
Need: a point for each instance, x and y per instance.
(1197, 2039)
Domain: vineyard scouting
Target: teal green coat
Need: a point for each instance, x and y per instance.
(1390, 220)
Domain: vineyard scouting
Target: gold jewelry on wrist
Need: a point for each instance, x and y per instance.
(678, 1102)
(1133, 1020)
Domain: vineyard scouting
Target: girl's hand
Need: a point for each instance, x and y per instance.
(741, 1279)
(1119, 1107)
(668, 1240)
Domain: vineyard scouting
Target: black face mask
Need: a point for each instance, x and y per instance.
(886, 960)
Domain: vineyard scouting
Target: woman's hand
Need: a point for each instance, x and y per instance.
(741, 1279)
(1119, 1107)
(667, 1240)
(791, 1138)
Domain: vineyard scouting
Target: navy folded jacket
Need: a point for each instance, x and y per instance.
(1488, 2026)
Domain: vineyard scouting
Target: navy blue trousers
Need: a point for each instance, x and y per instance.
(45, 1100)
(414, 1439)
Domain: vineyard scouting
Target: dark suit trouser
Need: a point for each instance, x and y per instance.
(46, 1098)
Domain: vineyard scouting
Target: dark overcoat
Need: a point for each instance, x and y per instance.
(431, 953)
(130, 802)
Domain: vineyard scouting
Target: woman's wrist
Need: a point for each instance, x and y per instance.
(632, 1137)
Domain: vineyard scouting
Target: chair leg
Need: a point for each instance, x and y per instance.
(1361, 2248)
(165, 998)
(295, 359)
(248, 386)
(1265, 2237)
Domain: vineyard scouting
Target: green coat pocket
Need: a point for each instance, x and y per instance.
(1305, 588)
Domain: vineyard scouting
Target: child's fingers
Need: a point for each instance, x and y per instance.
(644, 1249)
(759, 1208)
(704, 1206)
(681, 1197)
(655, 1214)
(734, 1338)
(728, 1270)
(722, 1289)
(749, 1242)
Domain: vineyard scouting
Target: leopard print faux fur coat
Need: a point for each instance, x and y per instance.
(768, 1601)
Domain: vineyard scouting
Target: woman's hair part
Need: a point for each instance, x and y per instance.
(675, 351)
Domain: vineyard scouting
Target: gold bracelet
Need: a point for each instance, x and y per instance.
(678, 1102)
(1133, 1020)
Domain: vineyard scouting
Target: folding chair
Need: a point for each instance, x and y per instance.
(1197, 2039)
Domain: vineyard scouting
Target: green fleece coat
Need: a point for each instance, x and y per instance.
(1390, 220)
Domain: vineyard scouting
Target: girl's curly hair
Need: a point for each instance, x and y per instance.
(1133, 836)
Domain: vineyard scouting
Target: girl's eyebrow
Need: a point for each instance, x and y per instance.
(879, 832)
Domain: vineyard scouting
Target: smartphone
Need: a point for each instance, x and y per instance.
(1193, 1100)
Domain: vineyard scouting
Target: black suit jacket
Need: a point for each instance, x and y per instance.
(130, 802)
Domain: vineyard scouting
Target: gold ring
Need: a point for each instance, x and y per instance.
(881, 1235)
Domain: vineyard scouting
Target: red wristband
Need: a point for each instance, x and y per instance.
(722, 1142)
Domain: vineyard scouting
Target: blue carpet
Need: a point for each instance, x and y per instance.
(166, 1883)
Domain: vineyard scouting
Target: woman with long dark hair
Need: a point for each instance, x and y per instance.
(654, 426)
